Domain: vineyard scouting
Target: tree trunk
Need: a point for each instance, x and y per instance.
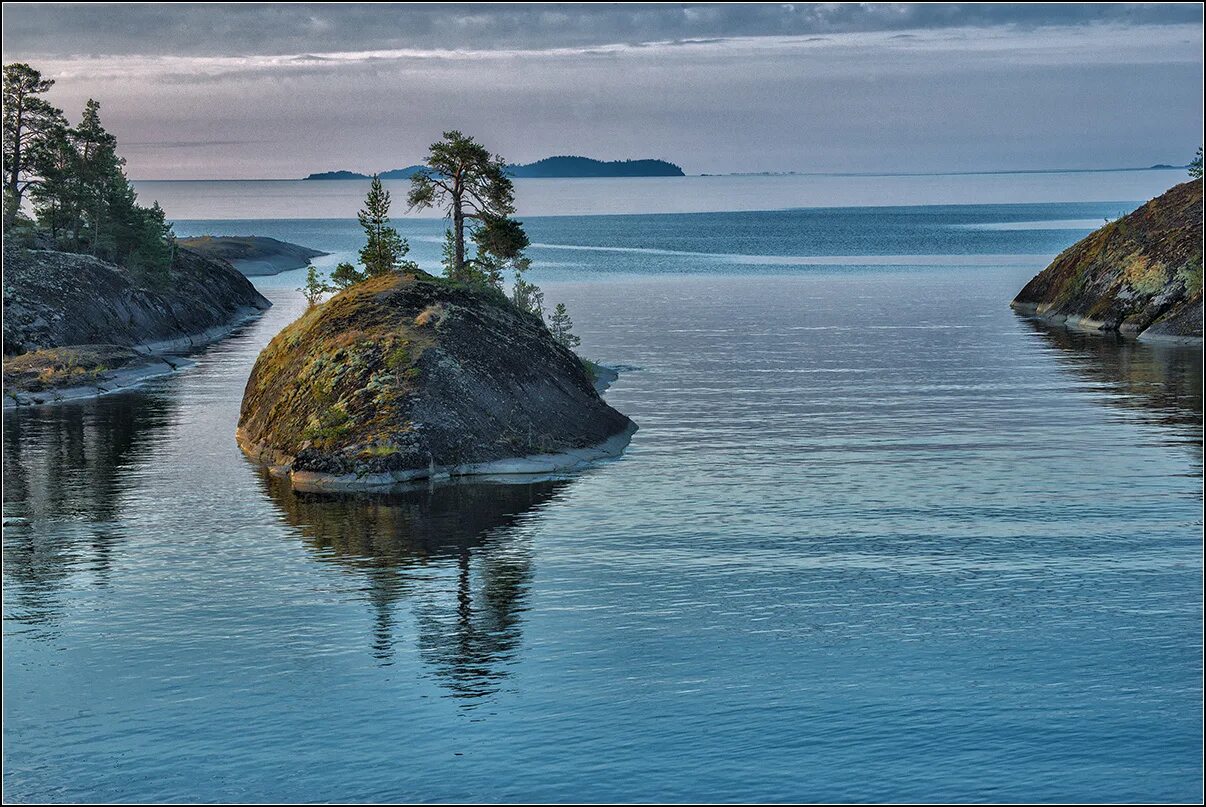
(14, 172)
(458, 234)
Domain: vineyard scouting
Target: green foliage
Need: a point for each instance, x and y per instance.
(316, 286)
(28, 122)
(473, 188)
(75, 181)
(1195, 166)
(1191, 276)
(384, 249)
(562, 327)
(478, 197)
(329, 425)
(346, 275)
(524, 295)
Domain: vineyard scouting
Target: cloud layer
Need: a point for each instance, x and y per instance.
(285, 90)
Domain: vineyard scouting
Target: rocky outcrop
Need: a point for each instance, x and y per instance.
(403, 377)
(253, 255)
(56, 299)
(77, 327)
(1140, 275)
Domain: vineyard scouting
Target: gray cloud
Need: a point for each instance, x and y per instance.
(713, 88)
(48, 30)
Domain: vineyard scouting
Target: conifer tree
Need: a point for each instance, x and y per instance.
(75, 181)
(316, 286)
(562, 327)
(478, 198)
(29, 121)
(345, 275)
(384, 248)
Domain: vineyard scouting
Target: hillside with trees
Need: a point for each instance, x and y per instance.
(65, 187)
(96, 289)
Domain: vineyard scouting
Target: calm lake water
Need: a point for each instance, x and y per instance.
(878, 538)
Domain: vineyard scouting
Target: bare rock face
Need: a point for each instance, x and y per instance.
(400, 378)
(54, 299)
(1140, 275)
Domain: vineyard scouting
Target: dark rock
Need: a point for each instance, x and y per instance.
(54, 299)
(253, 255)
(401, 378)
(1140, 275)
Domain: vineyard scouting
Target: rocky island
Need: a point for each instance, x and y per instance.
(76, 326)
(406, 376)
(253, 255)
(1140, 275)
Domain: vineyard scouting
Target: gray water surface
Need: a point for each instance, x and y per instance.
(878, 538)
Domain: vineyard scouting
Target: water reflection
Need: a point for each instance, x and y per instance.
(456, 553)
(65, 475)
(1162, 382)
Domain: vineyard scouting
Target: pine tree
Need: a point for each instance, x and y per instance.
(384, 249)
(561, 326)
(524, 295)
(316, 286)
(97, 172)
(478, 198)
(29, 121)
(76, 182)
(345, 275)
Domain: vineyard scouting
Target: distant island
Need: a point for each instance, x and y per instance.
(338, 175)
(549, 167)
(586, 167)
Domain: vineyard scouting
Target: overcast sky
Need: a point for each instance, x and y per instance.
(260, 91)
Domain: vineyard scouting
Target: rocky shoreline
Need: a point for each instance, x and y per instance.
(1139, 276)
(253, 255)
(77, 327)
(281, 465)
(110, 382)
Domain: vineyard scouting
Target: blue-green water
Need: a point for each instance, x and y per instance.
(877, 539)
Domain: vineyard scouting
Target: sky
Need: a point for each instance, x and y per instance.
(248, 91)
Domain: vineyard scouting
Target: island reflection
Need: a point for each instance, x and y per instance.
(457, 553)
(1163, 382)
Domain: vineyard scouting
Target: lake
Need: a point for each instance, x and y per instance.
(878, 538)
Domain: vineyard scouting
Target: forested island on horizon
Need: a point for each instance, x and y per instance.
(548, 168)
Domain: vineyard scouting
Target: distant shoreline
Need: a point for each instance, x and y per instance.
(750, 174)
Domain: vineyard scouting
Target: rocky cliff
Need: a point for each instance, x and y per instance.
(1140, 275)
(400, 378)
(55, 299)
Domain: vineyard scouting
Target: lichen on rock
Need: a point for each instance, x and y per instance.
(403, 377)
(1140, 275)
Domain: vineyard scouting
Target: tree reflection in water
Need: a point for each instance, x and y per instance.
(457, 552)
(66, 472)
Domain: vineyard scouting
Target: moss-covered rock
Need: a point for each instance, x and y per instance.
(1140, 275)
(401, 378)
